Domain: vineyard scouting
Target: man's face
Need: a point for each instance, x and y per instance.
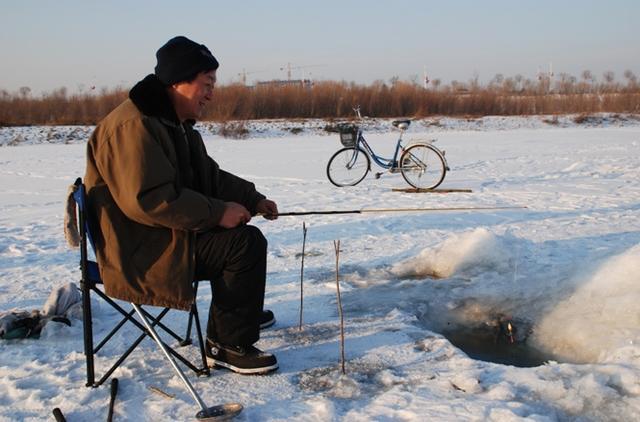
(191, 98)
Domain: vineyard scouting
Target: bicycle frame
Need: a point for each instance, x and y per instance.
(383, 162)
(386, 163)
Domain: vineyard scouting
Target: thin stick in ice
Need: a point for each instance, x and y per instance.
(304, 241)
(336, 246)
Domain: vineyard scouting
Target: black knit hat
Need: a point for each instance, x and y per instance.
(181, 59)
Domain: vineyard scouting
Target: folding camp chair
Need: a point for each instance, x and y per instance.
(91, 281)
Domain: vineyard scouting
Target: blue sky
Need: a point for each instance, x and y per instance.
(79, 43)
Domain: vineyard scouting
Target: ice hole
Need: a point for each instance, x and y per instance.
(484, 343)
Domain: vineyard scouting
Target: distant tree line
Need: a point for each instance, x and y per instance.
(516, 95)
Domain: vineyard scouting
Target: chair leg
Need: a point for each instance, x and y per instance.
(205, 412)
(205, 366)
(87, 331)
(193, 312)
(187, 337)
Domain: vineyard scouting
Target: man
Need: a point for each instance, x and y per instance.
(168, 215)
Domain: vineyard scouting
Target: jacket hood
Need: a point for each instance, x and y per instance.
(151, 98)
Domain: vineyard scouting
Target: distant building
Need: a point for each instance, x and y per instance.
(305, 83)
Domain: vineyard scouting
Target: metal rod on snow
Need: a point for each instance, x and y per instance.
(383, 210)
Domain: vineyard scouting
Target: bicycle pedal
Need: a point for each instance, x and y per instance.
(377, 175)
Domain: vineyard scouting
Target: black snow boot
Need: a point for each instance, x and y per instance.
(240, 359)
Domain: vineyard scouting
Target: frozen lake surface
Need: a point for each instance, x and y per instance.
(565, 271)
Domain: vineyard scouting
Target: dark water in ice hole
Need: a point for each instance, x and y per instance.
(495, 338)
(498, 339)
(482, 343)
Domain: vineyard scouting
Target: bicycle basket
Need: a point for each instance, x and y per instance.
(348, 135)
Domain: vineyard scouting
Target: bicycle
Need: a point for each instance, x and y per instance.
(422, 164)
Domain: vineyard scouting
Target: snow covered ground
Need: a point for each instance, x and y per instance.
(565, 270)
(276, 128)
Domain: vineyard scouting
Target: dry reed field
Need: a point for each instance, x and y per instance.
(500, 97)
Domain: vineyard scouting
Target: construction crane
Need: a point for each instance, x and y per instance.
(244, 73)
(289, 68)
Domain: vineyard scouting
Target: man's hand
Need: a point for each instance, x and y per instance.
(234, 215)
(268, 209)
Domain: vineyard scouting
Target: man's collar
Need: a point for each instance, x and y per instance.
(152, 99)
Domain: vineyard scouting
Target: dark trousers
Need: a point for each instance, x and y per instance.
(235, 260)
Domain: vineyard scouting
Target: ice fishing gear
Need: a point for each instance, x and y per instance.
(112, 398)
(26, 324)
(213, 413)
(385, 210)
(57, 413)
(510, 332)
(59, 307)
(304, 241)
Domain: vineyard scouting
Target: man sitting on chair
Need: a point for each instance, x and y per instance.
(168, 214)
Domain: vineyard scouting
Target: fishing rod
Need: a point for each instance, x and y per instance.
(384, 210)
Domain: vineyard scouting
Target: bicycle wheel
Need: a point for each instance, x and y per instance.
(422, 166)
(348, 167)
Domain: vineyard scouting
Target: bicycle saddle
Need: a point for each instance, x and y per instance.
(401, 124)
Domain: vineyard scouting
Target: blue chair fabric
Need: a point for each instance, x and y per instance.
(90, 284)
